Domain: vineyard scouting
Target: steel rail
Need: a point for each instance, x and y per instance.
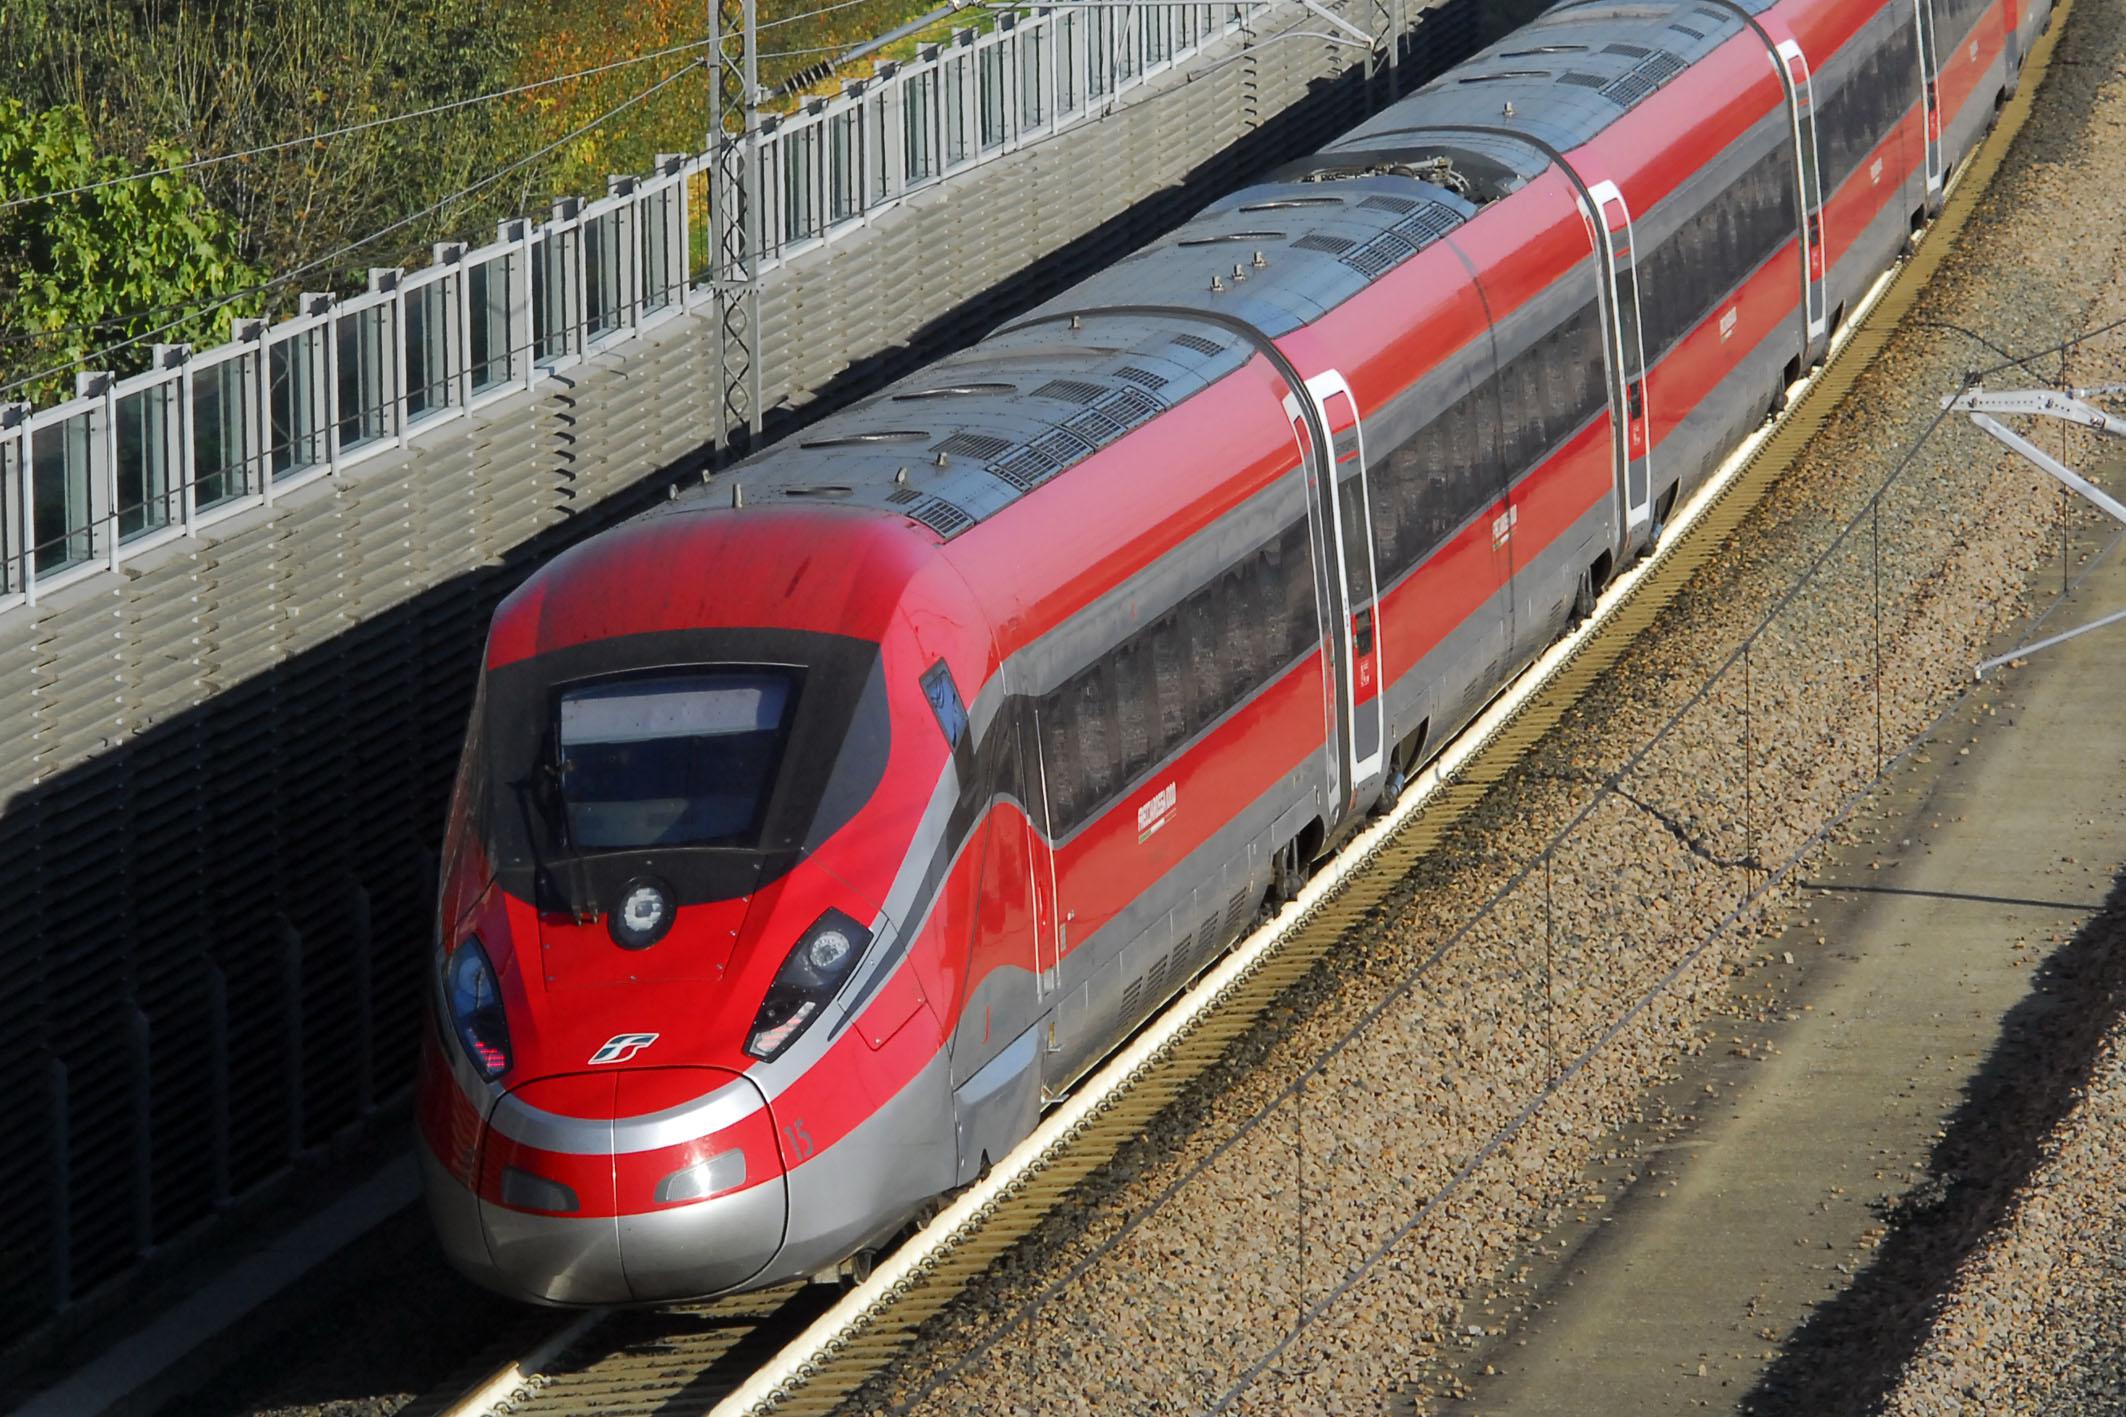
(877, 1320)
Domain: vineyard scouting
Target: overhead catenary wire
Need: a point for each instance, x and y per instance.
(208, 307)
(326, 135)
(2062, 347)
(793, 53)
(809, 15)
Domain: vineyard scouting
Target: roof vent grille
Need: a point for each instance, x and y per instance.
(1113, 416)
(1580, 80)
(902, 496)
(1646, 76)
(1412, 234)
(1429, 222)
(1334, 245)
(1629, 51)
(1199, 344)
(1662, 67)
(1378, 256)
(942, 517)
(1387, 204)
(1627, 91)
(1141, 376)
(1026, 469)
(973, 445)
(1068, 391)
(1130, 407)
(1095, 427)
(1686, 29)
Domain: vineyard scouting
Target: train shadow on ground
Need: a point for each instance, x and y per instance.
(1848, 1355)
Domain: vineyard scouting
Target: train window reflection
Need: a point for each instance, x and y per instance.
(676, 760)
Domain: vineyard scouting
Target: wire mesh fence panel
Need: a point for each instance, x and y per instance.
(65, 518)
(365, 374)
(144, 425)
(430, 314)
(226, 458)
(14, 505)
(297, 434)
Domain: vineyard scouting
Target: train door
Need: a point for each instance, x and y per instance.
(1930, 97)
(1801, 103)
(1006, 1009)
(1346, 502)
(1610, 223)
(1046, 944)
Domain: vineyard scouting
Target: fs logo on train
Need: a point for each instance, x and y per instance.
(623, 1046)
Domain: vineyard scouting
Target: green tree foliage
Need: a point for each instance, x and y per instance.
(92, 269)
(133, 82)
(229, 76)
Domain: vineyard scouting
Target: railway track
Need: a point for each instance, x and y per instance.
(802, 1349)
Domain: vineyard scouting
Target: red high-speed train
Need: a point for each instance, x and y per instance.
(802, 848)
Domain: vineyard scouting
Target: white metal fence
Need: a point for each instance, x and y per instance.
(201, 436)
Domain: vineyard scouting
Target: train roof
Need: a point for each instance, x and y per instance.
(1564, 76)
(962, 439)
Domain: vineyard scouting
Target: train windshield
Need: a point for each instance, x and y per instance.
(714, 758)
(683, 759)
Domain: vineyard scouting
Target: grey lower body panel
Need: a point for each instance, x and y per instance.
(1875, 248)
(867, 1185)
(709, 1247)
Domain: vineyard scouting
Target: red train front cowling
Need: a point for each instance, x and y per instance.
(667, 975)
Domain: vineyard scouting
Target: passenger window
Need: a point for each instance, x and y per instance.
(1096, 736)
(1206, 688)
(1301, 631)
(1172, 684)
(1233, 635)
(1133, 708)
(1060, 758)
(1265, 599)
(1386, 510)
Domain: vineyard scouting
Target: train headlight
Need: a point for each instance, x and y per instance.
(475, 1002)
(643, 915)
(817, 965)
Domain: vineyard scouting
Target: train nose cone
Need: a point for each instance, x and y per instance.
(634, 1185)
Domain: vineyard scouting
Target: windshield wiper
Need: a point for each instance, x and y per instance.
(573, 893)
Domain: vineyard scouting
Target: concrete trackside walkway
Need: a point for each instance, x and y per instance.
(1751, 1246)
